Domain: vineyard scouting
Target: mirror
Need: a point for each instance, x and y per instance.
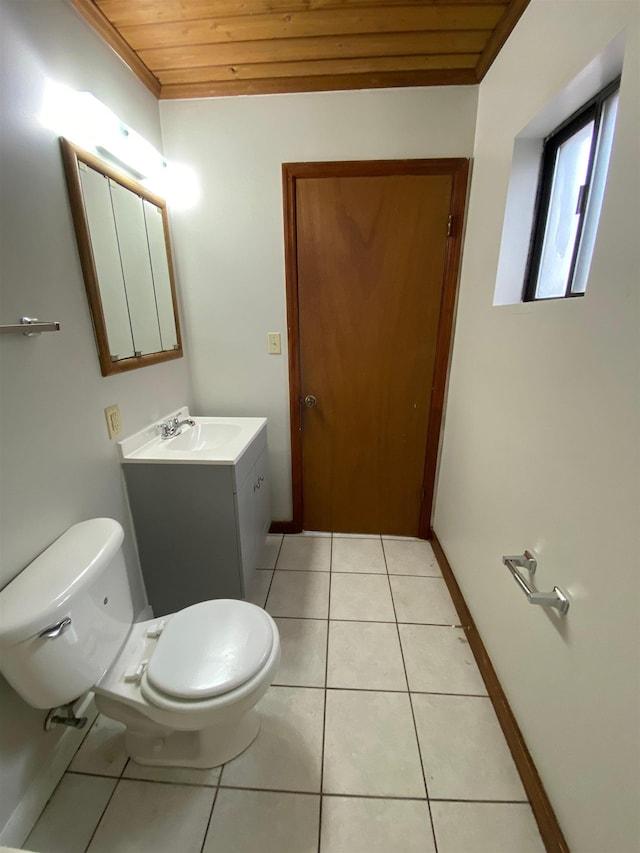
(125, 254)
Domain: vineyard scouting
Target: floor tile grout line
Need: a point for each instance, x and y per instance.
(352, 796)
(273, 574)
(118, 780)
(305, 618)
(484, 801)
(232, 787)
(442, 625)
(377, 690)
(404, 798)
(266, 598)
(376, 621)
(327, 794)
(178, 782)
(443, 693)
(413, 715)
(271, 790)
(273, 571)
(213, 805)
(95, 774)
(365, 574)
(324, 709)
(279, 552)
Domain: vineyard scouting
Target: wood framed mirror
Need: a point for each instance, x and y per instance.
(125, 253)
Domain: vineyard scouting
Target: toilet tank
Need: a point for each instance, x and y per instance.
(64, 618)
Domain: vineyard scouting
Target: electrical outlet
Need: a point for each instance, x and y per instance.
(274, 347)
(114, 424)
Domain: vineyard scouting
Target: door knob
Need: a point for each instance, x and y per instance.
(310, 400)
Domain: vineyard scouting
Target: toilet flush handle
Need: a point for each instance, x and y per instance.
(56, 630)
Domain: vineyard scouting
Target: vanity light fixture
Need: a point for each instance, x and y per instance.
(84, 120)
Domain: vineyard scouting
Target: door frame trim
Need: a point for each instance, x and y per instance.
(458, 168)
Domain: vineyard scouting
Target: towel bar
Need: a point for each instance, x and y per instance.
(30, 326)
(556, 598)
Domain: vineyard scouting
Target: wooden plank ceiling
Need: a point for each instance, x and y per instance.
(205, 48)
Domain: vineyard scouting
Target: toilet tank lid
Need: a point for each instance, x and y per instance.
(36, 597)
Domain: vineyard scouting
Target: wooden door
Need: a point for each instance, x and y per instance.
(372, 260)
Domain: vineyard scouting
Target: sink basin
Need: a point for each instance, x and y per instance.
(205, 435)
(213, 441)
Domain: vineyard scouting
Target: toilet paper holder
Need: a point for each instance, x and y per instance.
(556, 598)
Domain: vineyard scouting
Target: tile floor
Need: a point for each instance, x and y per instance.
(377, 733)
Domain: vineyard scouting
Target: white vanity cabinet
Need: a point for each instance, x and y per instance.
(199, 525)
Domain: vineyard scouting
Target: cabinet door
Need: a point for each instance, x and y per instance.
(263, 500)
(254, 517)
(246, 503)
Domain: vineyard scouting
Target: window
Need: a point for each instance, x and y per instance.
(575, 161)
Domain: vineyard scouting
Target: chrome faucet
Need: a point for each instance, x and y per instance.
(173, 427)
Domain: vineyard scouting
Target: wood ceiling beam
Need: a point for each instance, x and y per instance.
(344, 82)
(134, 12)
(317, 23)
(317, 68)
(283, 50)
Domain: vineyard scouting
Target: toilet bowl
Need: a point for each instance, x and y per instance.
(185, 685)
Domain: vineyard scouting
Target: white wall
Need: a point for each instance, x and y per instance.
(230, 248)
(541, 446)
(57, 465)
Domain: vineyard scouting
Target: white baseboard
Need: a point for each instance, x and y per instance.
(26, 813)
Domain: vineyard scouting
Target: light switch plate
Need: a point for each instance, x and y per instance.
(274, 346)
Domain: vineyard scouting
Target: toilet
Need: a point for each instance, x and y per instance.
(185, 685)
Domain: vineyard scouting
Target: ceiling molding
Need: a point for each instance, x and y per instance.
(91, 13)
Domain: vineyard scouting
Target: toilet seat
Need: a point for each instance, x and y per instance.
(206, 651)
(126, 684)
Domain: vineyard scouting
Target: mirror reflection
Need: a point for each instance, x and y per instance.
(123, 240)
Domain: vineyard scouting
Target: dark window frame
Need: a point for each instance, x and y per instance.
(590, 111)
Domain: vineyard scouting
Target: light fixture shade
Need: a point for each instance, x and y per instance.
(90, 124)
